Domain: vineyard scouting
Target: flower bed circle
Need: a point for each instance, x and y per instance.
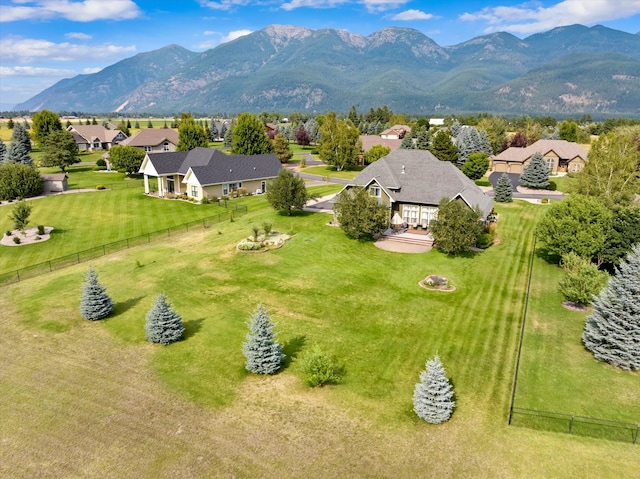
(437, 283)
(274, 241)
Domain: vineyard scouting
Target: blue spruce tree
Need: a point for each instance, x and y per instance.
(504, 189)
(433, 395)
(164, 325)
(95, 303)
(536, 173)
(612, 330)
(263, 352)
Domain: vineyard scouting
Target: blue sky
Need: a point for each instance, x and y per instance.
(43, 41)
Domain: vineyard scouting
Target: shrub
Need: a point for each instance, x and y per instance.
(484, 240)
(18, 180)
(553, 186)
(37, 238)
(205, 200)
(267, 226)
(16, 240)
(9, 233)
(101, 187)
(41, 230)
(321, 368)
(101, 163)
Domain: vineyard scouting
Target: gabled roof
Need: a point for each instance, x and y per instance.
(211, 167)
(369, 140)
(397, 129)
(91, 132)
(566, 150)
(152, 137)
(416, 176)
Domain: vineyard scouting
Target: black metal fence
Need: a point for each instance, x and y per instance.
(562, 422)
(105, 249)
(578, 425)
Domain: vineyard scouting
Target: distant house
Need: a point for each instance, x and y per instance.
(369, 140)
(413, 182)
(205, 172)
(562, 156)
(95, 137)
(436, 122)
(153, 140)
(55, 183)
(396, 132)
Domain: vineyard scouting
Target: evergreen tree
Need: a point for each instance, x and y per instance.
(536, 173)
(422, 139)
(443, 148)
(149, 124)
(95, 303)
(407, 142)
(433, 395)
(504, 189)
(3, 151)
(457, 228)
(136, 125)
(227, 137)
(213, 131)
(313, 129)
(264, 354)
(10, 124)
(163, 324)
(612, 330)
(582, 279)
(20, 147)
(476, 165)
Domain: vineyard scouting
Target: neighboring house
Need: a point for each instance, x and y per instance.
(396, 132)
(413, 182)
(95, 137)
(562, 156)
(205, 172)
(436, 122)
(369, 140)
(55, 183)
(153, 140)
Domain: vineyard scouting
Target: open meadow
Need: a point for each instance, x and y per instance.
(94, 399)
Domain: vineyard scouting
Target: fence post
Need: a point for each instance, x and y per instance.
(635, 436)
(18, 274)
(50, 269)
(571, 424)
(78, 255)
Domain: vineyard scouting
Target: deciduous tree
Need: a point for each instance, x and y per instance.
(262, 351)
(457, 227)
(281, 148)
(339, 144)
(582, 279)
(18, 180)
(360, 215)
(476, 165)
(190, 134)
(164, 325)
(375, 153)
(433, 395)
(19, 215)
(612, 330)
(60, 150)
(249, 136)
(126, 158)
(287, 192)
(95, 303)
(44, 123)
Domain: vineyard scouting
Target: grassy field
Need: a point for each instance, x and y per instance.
(331, 172)
(85, 399)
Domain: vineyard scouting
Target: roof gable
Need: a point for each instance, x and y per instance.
(565, 150)
(152, 137)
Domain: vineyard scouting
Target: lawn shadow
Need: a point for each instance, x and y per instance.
(292, 348)
(192, 327)
(124, 306)
(546, 255)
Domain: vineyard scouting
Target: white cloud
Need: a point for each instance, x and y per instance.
(235, 34)
(532, 19)
(293, 4)
(88, 71)
(74, 10)
(78, 36)
(382, 5)
(223, 4)
(35, 72)
(210, 32)
(409, 15)
(24, 50)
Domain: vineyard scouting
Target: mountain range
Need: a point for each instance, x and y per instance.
(565, 71)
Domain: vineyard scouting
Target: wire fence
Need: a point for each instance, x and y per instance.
(562, 422)
(10, 277)
(574, 424)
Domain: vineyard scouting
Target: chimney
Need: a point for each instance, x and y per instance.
(403, 169)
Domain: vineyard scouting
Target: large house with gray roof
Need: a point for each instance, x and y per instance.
(561, 156)
(413, 182)
(206, 173)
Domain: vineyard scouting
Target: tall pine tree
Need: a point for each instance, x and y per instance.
(612, 330)
(536, 173)
(163, 325)
(433, 395)
(20, 148)
(95, 303)
(443, 148)
(264, 354)
(504, 189)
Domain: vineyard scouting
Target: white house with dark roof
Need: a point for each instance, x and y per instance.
(95, 137)
(153, 140)
(205, 172)
(413, 182)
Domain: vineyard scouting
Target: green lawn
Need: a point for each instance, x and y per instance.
(331, 172)
(96, 400)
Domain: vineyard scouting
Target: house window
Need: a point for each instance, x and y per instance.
(575, 167)
(410, 214)
(96, 144)
(375, 191)
(147, 149)
(428, 214)
(194, 191)
(165, 146)
(550, 163)
(225, 190)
